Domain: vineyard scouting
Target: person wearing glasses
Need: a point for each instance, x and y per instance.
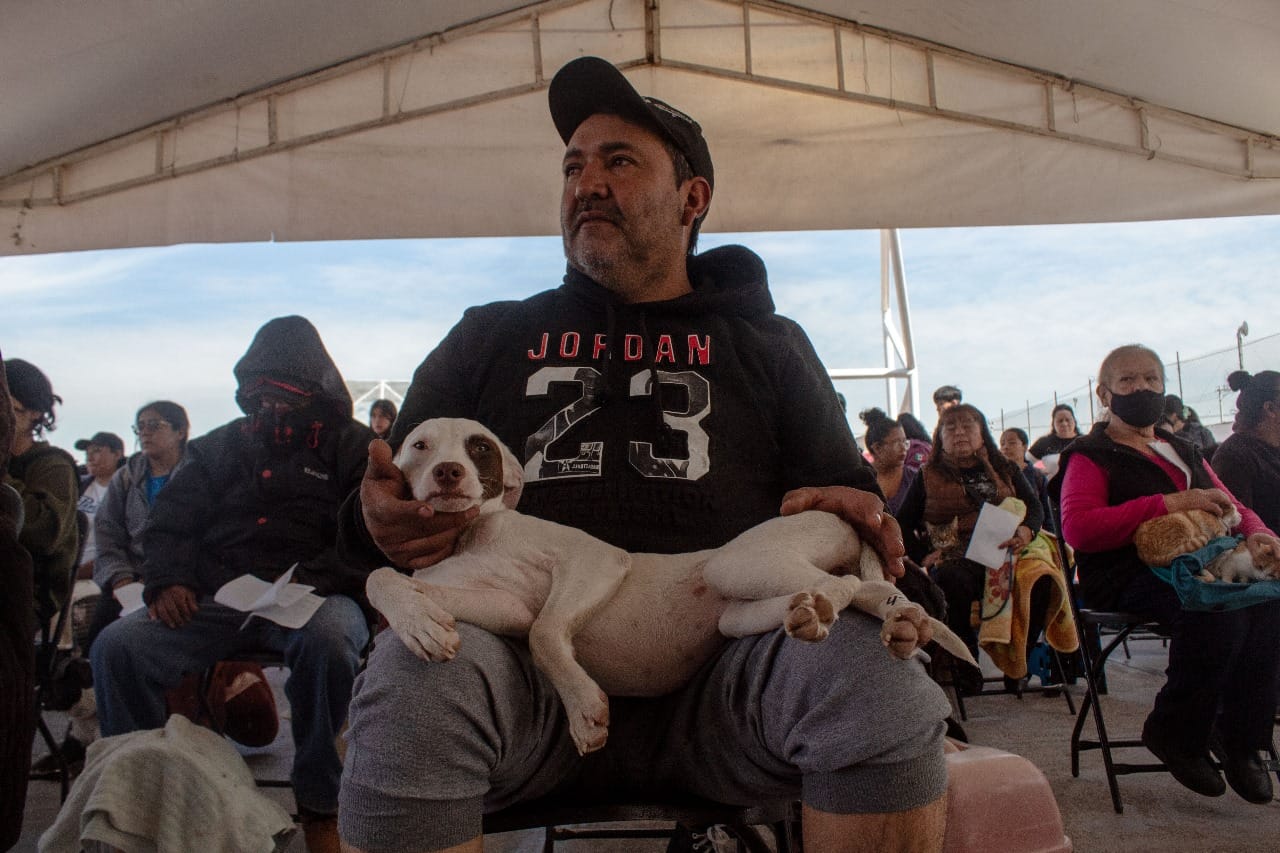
(45, 477)
(887, 442)
(162, 429)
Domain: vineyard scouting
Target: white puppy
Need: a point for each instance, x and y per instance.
(641, 624)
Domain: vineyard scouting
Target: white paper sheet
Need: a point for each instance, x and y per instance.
(285, 603)
(995, 525)
(130, 597)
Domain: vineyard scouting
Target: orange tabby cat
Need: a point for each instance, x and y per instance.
(1160, 540)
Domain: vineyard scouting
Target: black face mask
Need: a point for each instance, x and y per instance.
(289, 429)
(1138, 408)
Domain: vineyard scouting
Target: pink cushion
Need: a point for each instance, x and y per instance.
(1000, 801)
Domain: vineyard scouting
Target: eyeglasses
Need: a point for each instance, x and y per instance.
(150, 425)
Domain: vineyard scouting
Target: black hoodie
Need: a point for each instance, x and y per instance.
(564, 378)
(242, 506)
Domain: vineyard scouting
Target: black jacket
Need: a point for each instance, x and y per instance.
(1250, 468)
(241, 505)
(744, 409)
(1105, 574)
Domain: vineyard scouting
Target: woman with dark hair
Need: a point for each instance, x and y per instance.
(919, 444)
(1013, 444)
(45, 477)
(1248, 462)
(17, 658)
(382, 415)
(1223, 666)
(941, 508)
(887, 444)
(1064, 431)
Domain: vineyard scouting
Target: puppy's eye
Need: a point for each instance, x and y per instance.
(482, 446)
(419, 445)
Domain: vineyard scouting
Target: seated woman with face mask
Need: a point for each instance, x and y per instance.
(1223, 666)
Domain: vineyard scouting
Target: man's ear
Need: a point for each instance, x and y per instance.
(697, 198)
(512, 478)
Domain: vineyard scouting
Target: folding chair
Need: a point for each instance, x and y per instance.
(565, 821)
(951, 680)
(50, 659)
(1121, 625)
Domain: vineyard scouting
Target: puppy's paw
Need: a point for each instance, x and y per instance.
(589, 721)
(809, 617)
(906, 628)
(427, 638)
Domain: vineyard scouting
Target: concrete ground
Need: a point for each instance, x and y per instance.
(1159, 814)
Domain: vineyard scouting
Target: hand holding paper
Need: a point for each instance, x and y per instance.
(285, 603)
(130, 597)
(994, 526)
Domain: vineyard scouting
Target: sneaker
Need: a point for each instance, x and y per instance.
(708, 839)
(1192, 769)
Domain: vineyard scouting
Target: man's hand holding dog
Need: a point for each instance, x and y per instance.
(863, 511)
(409, 532)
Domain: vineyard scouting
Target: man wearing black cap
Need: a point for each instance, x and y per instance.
(658, 403)
(104, 453)
(256, 496)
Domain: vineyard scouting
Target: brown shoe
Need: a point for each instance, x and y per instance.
(321, 833)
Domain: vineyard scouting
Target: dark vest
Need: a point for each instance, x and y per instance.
(1105, 574)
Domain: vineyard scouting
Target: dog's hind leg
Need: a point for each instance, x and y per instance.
(778, 574)
(586, 577)
(803, 615)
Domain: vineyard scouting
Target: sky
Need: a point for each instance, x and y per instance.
(1009, 315)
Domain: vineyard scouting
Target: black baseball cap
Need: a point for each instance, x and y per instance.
(109, 440)
(590, 85)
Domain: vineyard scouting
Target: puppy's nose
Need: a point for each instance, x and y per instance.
(448, 473)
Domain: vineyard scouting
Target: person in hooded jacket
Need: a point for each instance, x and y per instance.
(255, 496)
(659, 403)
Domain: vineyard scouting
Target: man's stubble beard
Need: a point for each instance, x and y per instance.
(625, 267)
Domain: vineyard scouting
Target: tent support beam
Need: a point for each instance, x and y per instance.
(57, 182)
(899, 344)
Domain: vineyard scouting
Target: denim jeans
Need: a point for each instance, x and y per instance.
(136, 659)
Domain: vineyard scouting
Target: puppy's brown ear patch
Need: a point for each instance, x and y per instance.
(486, 454)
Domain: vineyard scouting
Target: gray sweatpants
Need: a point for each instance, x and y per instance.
(840, 724)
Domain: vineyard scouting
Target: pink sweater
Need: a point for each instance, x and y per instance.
(1092, 526)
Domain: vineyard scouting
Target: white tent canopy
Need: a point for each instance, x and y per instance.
(150, 122)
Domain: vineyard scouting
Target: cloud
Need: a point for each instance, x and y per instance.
(1008, 314)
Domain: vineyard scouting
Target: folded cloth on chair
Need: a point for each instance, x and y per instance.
(182, 787)
(1196, 594)
(1004, 636)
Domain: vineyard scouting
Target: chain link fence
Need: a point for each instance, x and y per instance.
(1201, 382)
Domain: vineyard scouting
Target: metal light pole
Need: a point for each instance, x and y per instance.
(1240, 333)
